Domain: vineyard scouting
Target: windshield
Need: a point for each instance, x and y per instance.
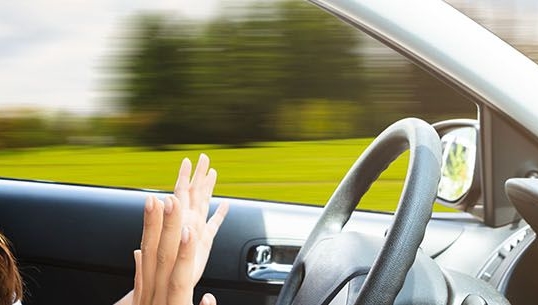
(282, 96)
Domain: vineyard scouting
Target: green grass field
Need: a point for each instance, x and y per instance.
(301, 172)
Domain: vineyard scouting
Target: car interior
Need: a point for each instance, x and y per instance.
(74, 242)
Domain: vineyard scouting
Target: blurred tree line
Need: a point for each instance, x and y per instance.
(281, 70)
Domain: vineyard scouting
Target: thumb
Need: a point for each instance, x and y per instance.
(208, 299)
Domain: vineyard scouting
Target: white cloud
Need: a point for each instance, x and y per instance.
(51, 49)
(49, 53)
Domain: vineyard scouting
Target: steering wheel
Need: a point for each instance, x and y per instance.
(331, 259)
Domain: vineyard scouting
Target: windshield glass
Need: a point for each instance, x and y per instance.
(281, 95)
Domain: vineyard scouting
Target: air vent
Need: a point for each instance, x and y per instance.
(501, 262)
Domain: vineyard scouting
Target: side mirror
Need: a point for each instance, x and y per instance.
(458, 164)
(460, 172)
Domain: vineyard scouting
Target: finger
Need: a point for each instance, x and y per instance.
(214, 223)
(181, 286)
(168, 247)
(137, 291)
(210, 181)
(208, 299)
(208, 233)
(182, 182)
(153, 218)
(201, 169)
(209, 185)
(197, 182)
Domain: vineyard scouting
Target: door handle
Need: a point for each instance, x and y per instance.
(264, 264)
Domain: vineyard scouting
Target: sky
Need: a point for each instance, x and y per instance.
(50, 50)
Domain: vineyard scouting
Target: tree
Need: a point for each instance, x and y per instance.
(229, 81)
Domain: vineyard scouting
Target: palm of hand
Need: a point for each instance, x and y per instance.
(206, 233)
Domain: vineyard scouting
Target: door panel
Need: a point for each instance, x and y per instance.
(76, 242)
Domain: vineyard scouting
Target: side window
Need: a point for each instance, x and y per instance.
(282, 96)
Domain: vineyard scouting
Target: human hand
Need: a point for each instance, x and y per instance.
(176, 240)
(198, 193)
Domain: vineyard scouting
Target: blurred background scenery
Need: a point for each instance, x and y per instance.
(281, 95)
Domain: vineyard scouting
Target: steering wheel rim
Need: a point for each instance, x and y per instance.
(389, 269)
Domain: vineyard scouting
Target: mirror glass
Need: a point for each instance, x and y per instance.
(459, 156)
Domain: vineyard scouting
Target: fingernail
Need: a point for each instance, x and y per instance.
(213, 171)
(168, 205)
(149, 204)
(185, 161)
(185, 235)
(205, 300)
